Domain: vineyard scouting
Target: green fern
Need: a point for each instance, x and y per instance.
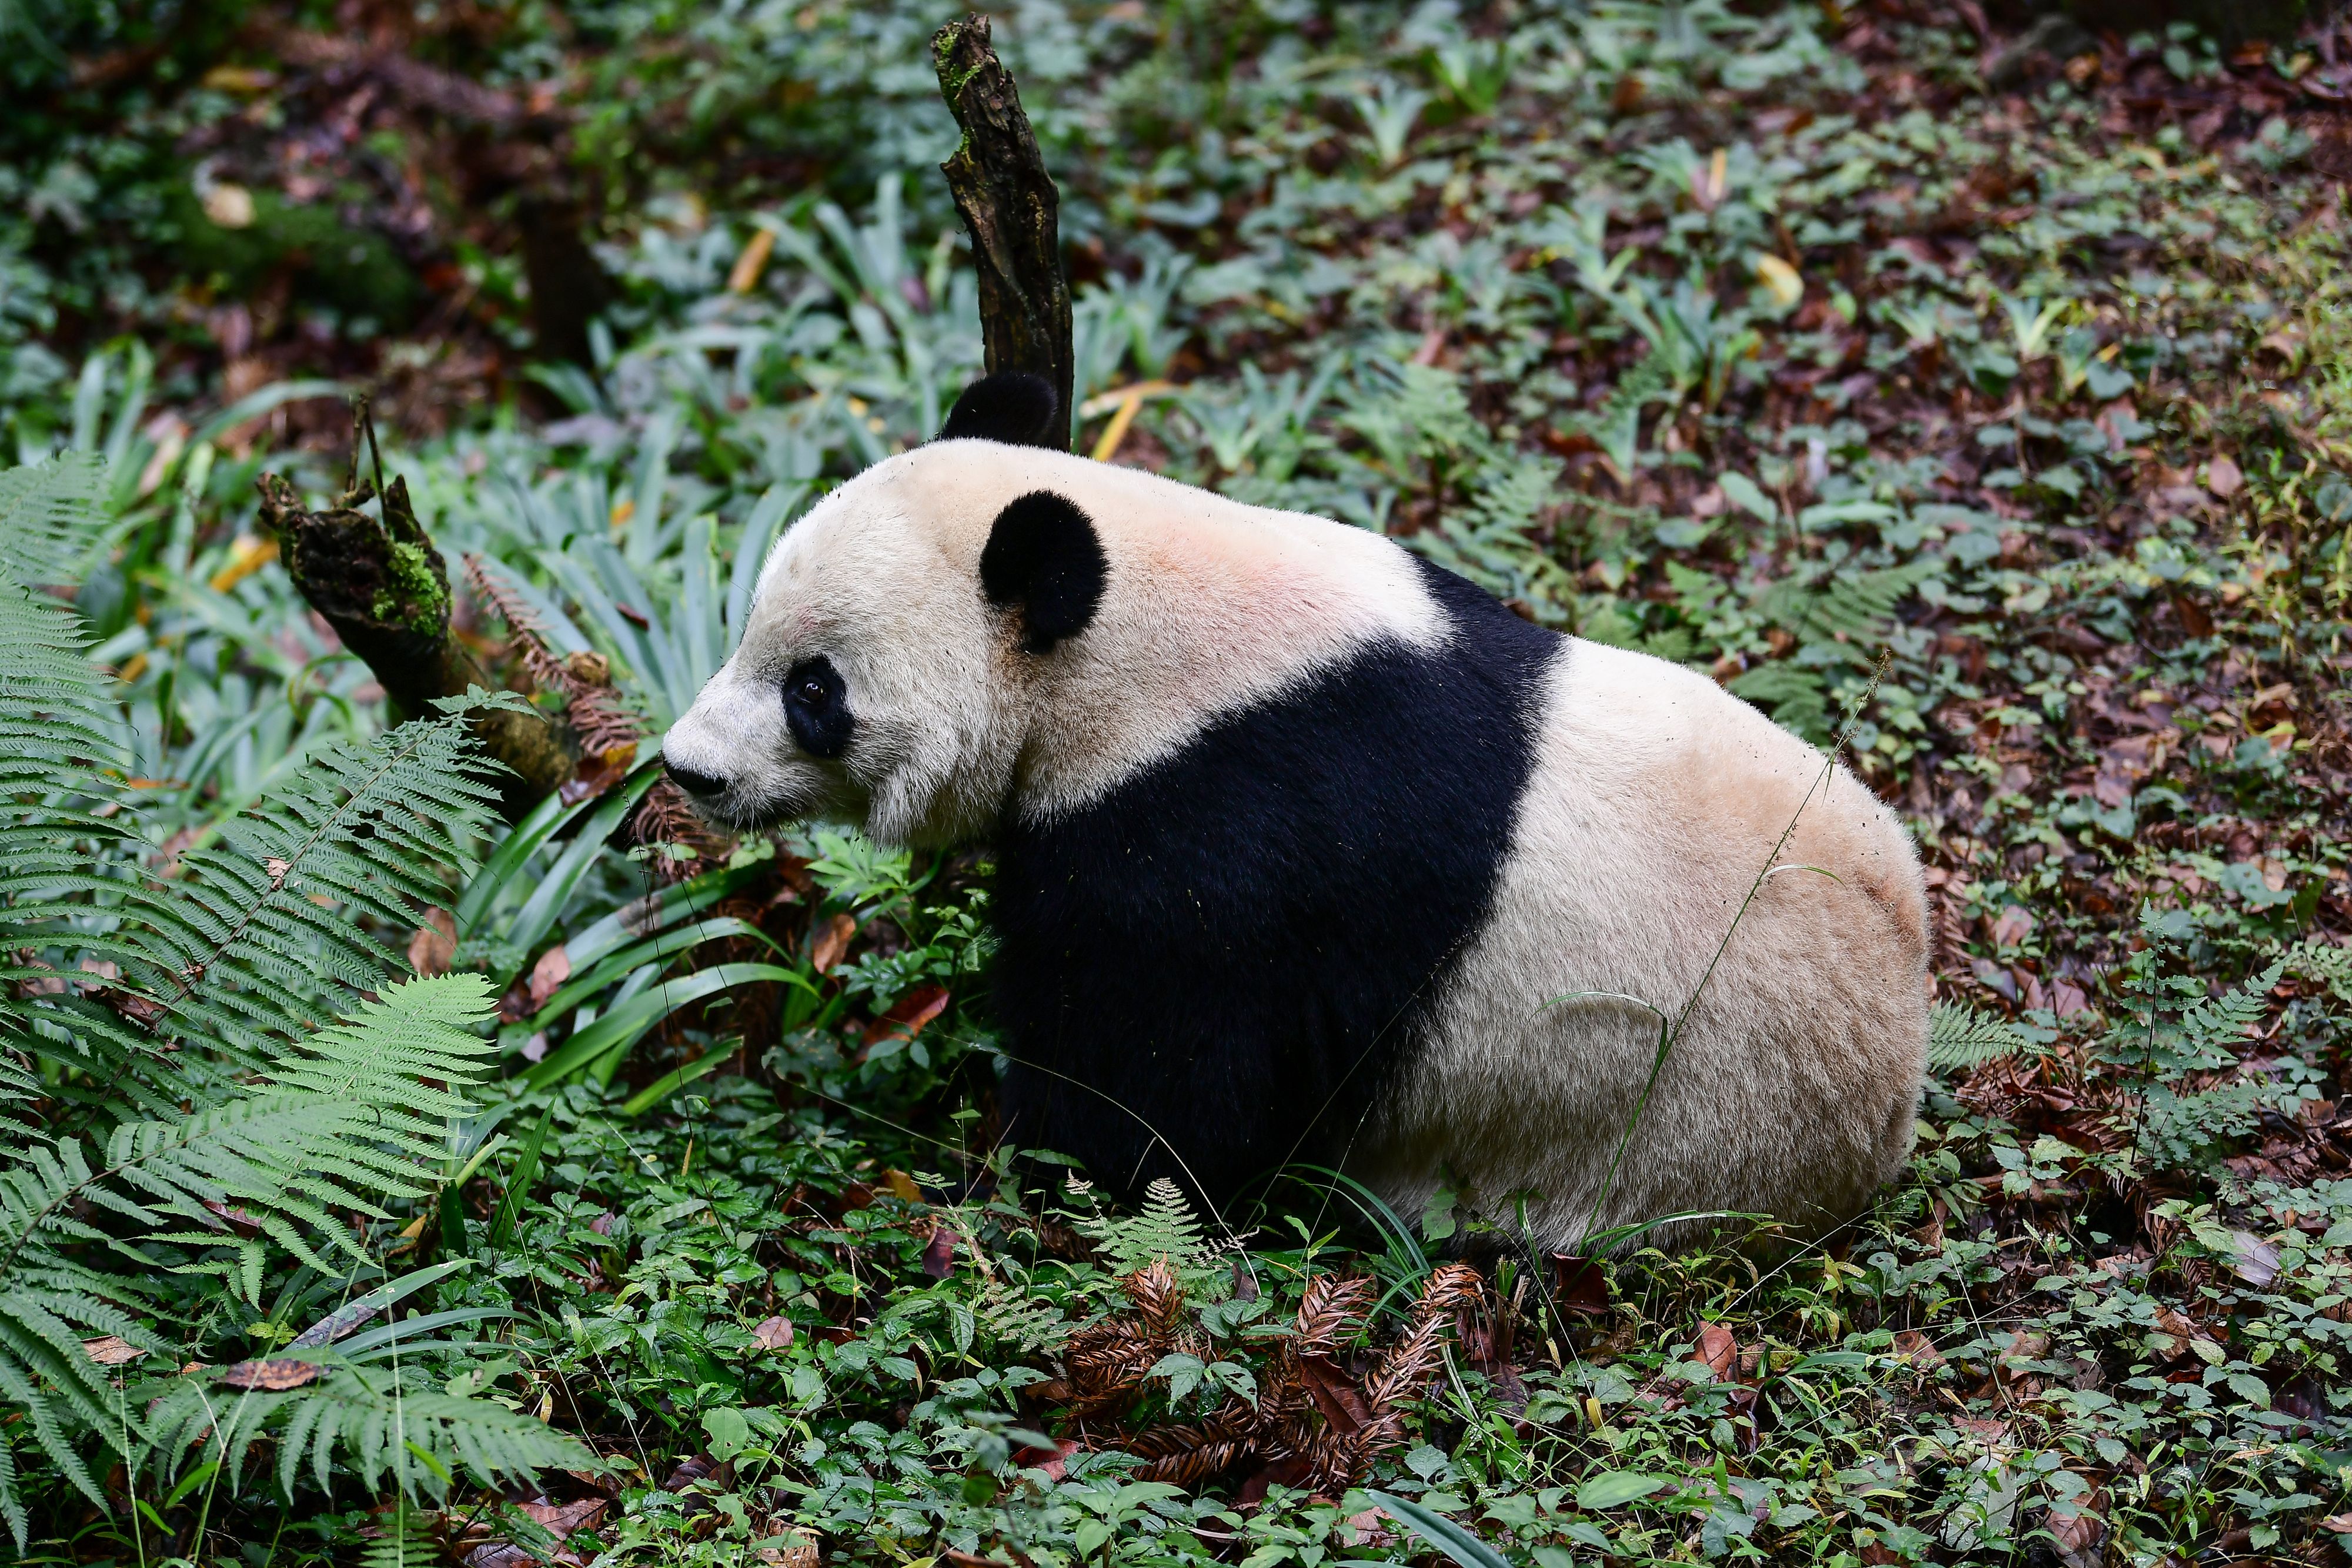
(2322, 962)
(1849, 613)
(1165, 1227)
(1960, 1039)
(2170, 1028)
(223, 1069)
(1793, 695)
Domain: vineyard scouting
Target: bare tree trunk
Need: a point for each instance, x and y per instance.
(1011, 209)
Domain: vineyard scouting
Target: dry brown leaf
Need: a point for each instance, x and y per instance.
(801, 1551)
(1918, 1350)
(112, 1350)
(561, 1520)
(832, 942)
(901, 1186)
(1334, 1394)
(908, 1016)
(775, 1333)
(554, 968)
(2013, 926)
(434, 950)
(274, 1374)
(2222, 477)
(1717, 1349)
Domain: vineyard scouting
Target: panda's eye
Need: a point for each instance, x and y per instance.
(817, 707)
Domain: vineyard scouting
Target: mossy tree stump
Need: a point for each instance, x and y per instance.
(385, 590)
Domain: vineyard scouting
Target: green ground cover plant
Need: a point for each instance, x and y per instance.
(391, 1182)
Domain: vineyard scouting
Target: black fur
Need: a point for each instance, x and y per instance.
(1044, 561)
(1237, 944)
(1011, 406)
(817, 707)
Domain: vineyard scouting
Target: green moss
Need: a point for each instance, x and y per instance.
(417, 596)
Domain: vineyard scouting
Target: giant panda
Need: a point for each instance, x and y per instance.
(1311, 852)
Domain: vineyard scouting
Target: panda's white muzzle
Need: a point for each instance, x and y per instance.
(735, 758)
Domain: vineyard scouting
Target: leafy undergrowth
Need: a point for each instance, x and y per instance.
(1990, 388)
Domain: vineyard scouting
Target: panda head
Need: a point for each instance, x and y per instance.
(882, 676)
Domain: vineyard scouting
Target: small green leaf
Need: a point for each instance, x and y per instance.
(1448, 1537)
(1614, 1488)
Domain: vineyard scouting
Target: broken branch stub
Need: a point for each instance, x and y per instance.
(1011, 209)
(385, 590)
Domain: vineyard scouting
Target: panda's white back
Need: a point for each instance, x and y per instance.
(1309, 852)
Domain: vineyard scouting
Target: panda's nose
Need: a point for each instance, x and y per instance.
(702, 785)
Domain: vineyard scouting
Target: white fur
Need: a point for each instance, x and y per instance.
(1210, 606)
(1655, 804)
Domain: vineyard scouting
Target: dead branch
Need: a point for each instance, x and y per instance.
(1011, 209)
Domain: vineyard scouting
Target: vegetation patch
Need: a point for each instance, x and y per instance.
(401, 1177)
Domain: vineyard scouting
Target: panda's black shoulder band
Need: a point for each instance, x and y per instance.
(1011, 406)
(1044, 562)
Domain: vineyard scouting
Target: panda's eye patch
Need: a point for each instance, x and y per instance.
(817, 707)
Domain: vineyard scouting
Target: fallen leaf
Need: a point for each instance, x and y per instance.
(1986, 1430)
(1918, 1350)
(561, 1520)
(2341, 1524)
(1718, 1348)
(801, 1551)
(2011, 926)
(832, 942)
(336, 1324)
(2222, 477)
(237, 1219)
(901, 1186)
(775, 1333)
(1287, 1471)
(1055, 1461)
(433, 949)
(273, 1374)
(112, 1350)
(554, 968)
(277, 869)
(2256, 1260)
(1784, 282)
(1579, 1284)
(2079, 1534)
(938, 1258)
(906, 1018)
(1334, 1394)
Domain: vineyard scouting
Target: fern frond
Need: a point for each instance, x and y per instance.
(1165, 1228)
(1851, 610)
(405, 1541)
(1960, 1039)
(347, 1119)
(258, 944)
(2322, 962)
(51, 514)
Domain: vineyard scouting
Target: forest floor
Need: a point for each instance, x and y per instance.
(1977, 397)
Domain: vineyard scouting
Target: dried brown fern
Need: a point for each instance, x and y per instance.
(1310, 1407)
(607, 729)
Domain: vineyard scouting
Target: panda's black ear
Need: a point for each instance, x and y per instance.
(1045, 563)
(1011, 406)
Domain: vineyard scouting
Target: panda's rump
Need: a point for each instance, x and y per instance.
(1217, 966)
(1632, 896)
